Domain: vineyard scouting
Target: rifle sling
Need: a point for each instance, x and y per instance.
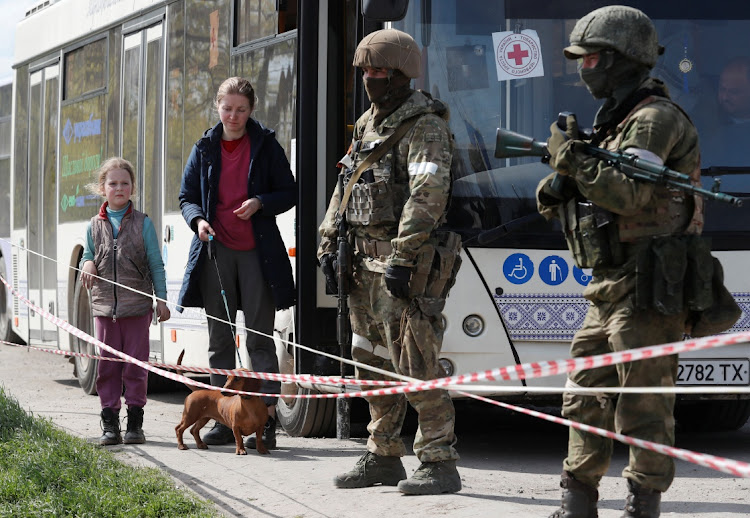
(373, 157)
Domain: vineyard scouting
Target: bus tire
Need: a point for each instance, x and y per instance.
(299, 417)
(84, 368)
(307, 417)
(712, 416)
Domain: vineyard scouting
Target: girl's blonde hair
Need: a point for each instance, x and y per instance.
(108, 165)
(237, 86)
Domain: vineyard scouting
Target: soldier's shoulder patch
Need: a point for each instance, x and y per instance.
(433, 136)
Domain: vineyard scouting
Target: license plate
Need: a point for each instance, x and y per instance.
(713, 372)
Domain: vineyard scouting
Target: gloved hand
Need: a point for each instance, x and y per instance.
(559, 141)
(328, 267)
(397, 281)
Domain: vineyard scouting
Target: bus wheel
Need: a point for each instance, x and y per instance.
(712, 416)
(83, 319)
(302, 417)
(307, 417)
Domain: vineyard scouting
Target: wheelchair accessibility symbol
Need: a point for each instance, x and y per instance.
(518, 268)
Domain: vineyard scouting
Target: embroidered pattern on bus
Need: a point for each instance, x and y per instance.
(558, 317)
(542, 317)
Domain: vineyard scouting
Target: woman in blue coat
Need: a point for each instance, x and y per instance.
(236, 181)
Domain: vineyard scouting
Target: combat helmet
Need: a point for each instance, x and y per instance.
(625, 29)
(389, 48)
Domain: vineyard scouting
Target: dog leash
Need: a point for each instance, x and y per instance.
(232, 325)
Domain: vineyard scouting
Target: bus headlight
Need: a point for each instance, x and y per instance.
(473, 325)
(448, 368)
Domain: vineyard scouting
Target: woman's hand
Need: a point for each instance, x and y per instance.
(248, 208)
(162, 311)
(204, 230)
(88, 273)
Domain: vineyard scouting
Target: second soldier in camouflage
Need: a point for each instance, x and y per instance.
(623, 229)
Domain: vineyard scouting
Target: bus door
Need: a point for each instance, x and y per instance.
(142, 94)
(42, 273)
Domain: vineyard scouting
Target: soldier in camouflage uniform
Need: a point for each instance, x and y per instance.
(403, 266)
(616, 225)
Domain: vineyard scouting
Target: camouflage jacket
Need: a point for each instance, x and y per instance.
(417, 173)
(641, 209)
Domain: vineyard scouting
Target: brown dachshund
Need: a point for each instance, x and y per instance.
(243, 414)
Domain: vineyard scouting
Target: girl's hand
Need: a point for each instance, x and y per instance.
(248, 208)
(204, 230)
(162, 311)
(88, 270)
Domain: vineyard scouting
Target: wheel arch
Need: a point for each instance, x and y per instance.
(73, 273)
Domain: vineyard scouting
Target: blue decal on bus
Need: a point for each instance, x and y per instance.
(553, 270)
(583, 278)
(518, 268)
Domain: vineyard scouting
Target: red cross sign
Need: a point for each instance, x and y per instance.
(517, 55)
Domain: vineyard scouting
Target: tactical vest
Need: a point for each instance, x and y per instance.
(379, 196)
(595, 235)
(124, 261)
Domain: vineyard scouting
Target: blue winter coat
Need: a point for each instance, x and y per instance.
(269, 179)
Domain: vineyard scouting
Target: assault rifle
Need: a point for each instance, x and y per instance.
(343, 327)
(510, 144)
(343, 274)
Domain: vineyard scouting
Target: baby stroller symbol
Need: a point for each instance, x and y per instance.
(582, 277)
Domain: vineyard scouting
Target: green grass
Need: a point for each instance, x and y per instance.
(45, 472)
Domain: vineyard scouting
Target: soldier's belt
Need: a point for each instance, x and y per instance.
(373, 247)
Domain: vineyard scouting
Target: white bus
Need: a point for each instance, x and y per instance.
(96, 78)
(6, 123)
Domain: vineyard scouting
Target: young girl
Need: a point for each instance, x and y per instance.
(121, 246)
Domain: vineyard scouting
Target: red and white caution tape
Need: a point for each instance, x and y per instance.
(336, 380)
(515, 372)
(732, 467)
(284, 378)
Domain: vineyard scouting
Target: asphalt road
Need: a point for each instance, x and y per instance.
(510, 464)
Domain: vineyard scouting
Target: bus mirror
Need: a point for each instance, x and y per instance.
(384, 10)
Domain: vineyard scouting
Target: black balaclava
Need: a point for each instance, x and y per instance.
(614, 78)
(387, 93)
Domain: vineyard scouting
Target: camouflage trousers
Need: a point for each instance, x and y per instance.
(402, 336)
(619, 326)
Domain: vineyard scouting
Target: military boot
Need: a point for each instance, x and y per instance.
(134, 433)
(110, 427)
(641, 502)
(372, 469)
(218, 435)
(269, 435)
(578, 499)
(432, 478)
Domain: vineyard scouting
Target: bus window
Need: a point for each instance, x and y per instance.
(6, 96)
(727, 225)
(85, 69)
(21, 150)
(272, 70)
(257, 19)
(83, 115)
(460, 69)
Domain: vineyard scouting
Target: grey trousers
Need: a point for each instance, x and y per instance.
(240, 276)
